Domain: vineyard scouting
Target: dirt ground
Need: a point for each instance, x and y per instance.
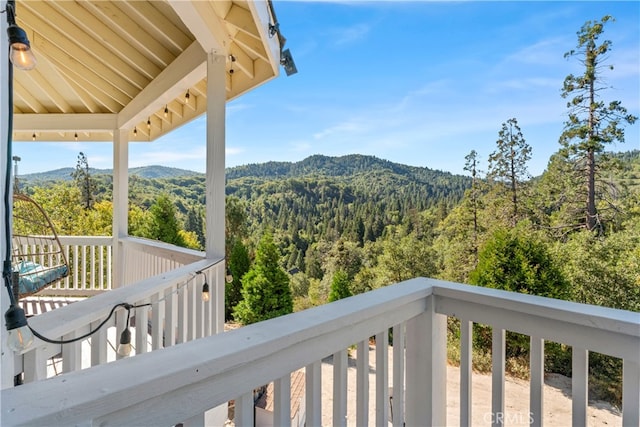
(557, 398)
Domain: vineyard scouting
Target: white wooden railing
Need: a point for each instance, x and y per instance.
(144, 258)
(178, 383)
(173, 313)
(90, 260)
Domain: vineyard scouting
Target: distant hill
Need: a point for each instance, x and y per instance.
(149, 172)
(319, 165)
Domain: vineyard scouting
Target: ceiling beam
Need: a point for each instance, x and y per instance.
(64, 122)
(187, 69)
(206, 26)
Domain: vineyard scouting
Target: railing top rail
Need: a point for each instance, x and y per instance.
(603, 318)
(235, 362)
(89, 240)
(165, 250)
(66, 319)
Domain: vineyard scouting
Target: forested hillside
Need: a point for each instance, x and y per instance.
(362, 223)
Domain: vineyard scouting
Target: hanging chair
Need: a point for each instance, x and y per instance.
(37, 255)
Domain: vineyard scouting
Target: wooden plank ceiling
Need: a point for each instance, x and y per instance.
(105, 65)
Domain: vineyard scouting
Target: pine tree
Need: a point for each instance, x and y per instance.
(339, 286)
(84, 181)
(239, 264)
(592, 124)
(508, 163)
(265, 288)
(165, 225)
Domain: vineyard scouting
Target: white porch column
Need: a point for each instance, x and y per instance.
(6, 362)
(215, 182)
(120, 202)
(215, 198)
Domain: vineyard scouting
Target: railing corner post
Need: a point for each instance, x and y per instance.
(426, 343)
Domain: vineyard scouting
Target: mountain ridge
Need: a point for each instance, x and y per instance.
(315, 165)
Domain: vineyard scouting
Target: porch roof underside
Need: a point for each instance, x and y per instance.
(106, 65)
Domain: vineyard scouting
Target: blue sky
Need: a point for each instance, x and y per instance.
(420, 83)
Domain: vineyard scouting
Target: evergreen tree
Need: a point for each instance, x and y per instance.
(165, 226)
(84, 181)
(339, 286)
(195, 224)
(515, 260)
(508, 164)
(592, 124)
(239, 264)
(265, 288)
(473, 195)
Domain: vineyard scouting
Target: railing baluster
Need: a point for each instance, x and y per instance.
(382, 378)
(169, 317)
(313, 394)
(362, 383)
(497, 375)
(99, 343)
(72, 352)
(109, 268)
(92, 265)
(199, 312)
(208, 305)
(142, 328)
(190, 290)
(75, 268)
(398, 376)
(243, 411)
(466, 372)
(340, 388)
(35, 365)
(536, 391)
(630, 392)
(579, 385)
(282, 401)
(85, 272)
(157, 309)
(181, 320)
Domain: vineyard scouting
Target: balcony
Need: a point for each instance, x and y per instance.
(183, 367)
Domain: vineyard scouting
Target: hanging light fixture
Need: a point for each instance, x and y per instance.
(232, 59)
(135, 131)
(149, 123)
(75, 136)
(124, 347)
(20, 52)
(166, 111)
(206, 296)
(33, 137)
(19, 335)
(186, 97)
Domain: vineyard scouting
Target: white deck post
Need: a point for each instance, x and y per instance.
(120, 203)
(7, 355)
(215, 180)
(215, 195)
(426, 375)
